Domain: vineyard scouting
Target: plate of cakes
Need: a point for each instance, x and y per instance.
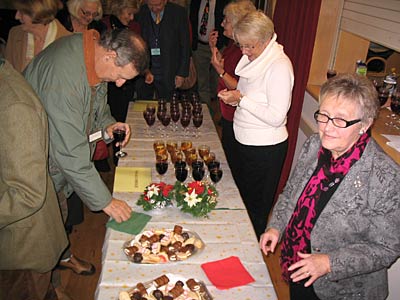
(168, 287)
(158, 246)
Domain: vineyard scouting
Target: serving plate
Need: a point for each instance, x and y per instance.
(158, 246)
(168, 286)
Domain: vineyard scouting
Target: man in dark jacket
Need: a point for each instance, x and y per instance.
(165, 28)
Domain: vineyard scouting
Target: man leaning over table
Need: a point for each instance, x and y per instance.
(70, 77)
(32, 235)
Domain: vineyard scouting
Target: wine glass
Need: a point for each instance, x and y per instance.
(119, 137)
(185, 121)
(175, 114)
(165, 120)
(203, 150)
(197, 122)
(383, 95)
(181, 173)
(216, 175)
(161, 167)
(150, 119)
(197, 172)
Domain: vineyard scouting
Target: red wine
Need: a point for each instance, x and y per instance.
(150, 119)
(197, 121)
(166, 120)
(216, 175)
(181, 174)
(214, 164)
(198, 173)
(119, 135)
(185, 121)
(161, 167)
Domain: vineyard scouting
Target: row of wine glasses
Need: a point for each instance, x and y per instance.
(181, 107)
(187, 161)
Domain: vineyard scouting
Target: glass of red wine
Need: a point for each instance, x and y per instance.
(119, 136)
(185, 121)
(383, 95)
(216, 175)
(165, 120)
(161, 167)
(197, 122)
(181, 173)
(175, 114)
(150, 119)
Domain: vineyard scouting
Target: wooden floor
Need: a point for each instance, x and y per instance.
(87, 241)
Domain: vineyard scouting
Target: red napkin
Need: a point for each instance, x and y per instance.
(227, 273)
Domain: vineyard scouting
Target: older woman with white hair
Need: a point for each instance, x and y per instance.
(224, 64)
(81, 15)
(338, 216)
(262, 99)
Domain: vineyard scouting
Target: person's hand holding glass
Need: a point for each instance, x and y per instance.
(121, 133)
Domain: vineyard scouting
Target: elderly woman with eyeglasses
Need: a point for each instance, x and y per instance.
(81, 15)
(262, 99)
(338, 217)
(224, 64)
(38, 29)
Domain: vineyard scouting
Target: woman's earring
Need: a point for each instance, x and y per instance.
(361, 132)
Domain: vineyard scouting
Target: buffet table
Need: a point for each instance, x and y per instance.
(227, 232)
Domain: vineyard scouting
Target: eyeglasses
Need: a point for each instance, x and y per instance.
(338, 122)
(89, 14)
(246, 47)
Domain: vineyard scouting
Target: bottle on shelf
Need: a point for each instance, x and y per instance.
(361, 68)
(390, 81)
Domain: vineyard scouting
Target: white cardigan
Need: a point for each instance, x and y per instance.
(266, 85)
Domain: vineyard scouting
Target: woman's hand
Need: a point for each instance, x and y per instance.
(231, 97)
(311, 266)
(269, 240)
(217, 61)
(213, 38)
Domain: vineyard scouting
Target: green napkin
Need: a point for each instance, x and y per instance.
(134, 225)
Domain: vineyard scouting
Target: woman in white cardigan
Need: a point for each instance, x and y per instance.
(262, 97)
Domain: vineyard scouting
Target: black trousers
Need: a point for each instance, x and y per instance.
(228, 143)
(258, 173)
(299, 292)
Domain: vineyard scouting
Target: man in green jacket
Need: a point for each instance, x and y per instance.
(32, 235)
(70, 76)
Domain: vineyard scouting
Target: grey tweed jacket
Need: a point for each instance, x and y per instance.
(359, 228)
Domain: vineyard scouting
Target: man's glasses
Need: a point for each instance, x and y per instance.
(89, 14)
(338, 122)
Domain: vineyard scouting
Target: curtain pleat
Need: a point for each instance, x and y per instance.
(296, 26)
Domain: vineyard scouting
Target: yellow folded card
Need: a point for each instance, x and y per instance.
(140, 105)
(131, 179)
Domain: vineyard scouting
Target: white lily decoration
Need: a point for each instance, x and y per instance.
(152, 190)
(192, 198)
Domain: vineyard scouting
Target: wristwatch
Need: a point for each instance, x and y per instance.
(222, 74)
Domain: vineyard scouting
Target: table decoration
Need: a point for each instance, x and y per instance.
(197, 198)
(156, 196)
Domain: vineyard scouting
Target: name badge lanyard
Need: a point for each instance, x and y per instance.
(156, 32)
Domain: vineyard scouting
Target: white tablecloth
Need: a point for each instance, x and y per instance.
(227, 231)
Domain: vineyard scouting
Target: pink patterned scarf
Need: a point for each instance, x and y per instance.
(319, 189)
